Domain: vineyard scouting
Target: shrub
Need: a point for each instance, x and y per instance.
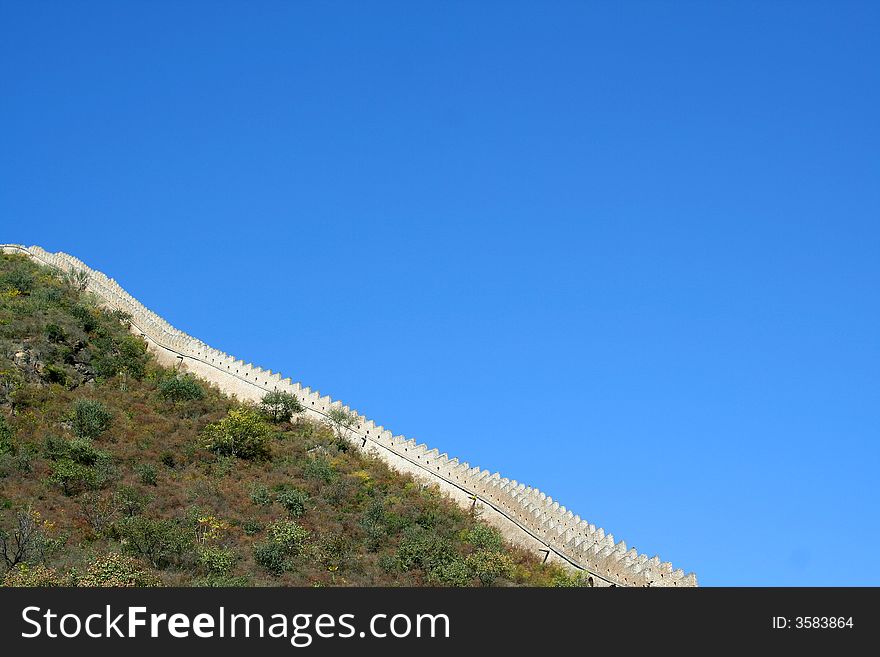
(241, 433)
(489, 565)
(76, 279)
(252, 527)
(84, 452)
(147, 474)
(86, 317)
(7, 445)
(98, 510)
(286, 541)
(425, 550)
(180, 387)
(130, 501)
(55, 447)
(343, 423)
(208, 528)
(271, 557)
(289, 534)
(455, 572)
(373, 524)
(32, 576)
(168, 461)
(55, 333)
(72, 477)
(217, 560)
(53, 373)
(319, 468)
(126, 354)
(293, 500)
(484, 537)
(280, 406)
(117, 570)
(260, 495)
(19, 279)
(159, 542)
(90, 418)
(571, 580)
(26, 541)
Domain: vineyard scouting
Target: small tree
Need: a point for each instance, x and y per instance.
(26, 541)
(72, 477)
(281, 406)
(7, 446)
(130, 501)
(76, 279)
(489, 565)
(117, 570)
(241, 433)
(293, 500)
(286, 542)
(180, 387)
(90, 418)
(343, 423)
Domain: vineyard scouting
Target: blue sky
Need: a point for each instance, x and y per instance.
(625, 252)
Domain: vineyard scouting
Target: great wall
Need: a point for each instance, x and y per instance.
(523, 514)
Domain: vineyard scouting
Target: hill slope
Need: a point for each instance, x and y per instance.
(116, 470)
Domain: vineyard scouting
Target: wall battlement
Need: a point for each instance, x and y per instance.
(524, 515)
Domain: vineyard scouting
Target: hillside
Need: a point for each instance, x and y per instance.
(116, 470)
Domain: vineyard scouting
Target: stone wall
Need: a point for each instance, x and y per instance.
(523, 514)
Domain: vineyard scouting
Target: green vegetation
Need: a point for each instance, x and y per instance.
(180, 387)
(280, 406)
(115, 471)
(241, 433)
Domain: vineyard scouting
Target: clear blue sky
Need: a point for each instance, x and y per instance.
(626, 252)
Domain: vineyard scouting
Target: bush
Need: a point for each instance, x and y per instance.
(241, 433)
(85, 316)
(373, 523)
(7, 445)
(130, 501)
(98, 510)
(319, 468)
(271, 557)
(161, 543)
(280, 406)
(84, 452)
(286, 541)
(19, 279)
(455, 572)
(180, 387)
(55, 333)
(90, 418)
(72, 477)
(571, 580)
(252, 527)
(489, 565)
(53, 373)
(425, 550)
(168, 461)
(27, 540)
(32, 576)
(484, 537)
(55, 447)
(126, 354)
(260, 495)
(217, 560)
(293, 500)
(117, 570)
(147, 473)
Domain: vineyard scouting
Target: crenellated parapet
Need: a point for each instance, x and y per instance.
(524, 514)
